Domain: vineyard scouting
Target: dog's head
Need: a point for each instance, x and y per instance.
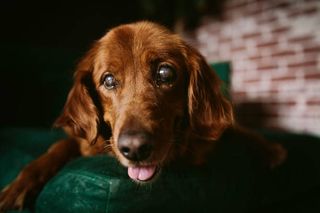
(152, 91)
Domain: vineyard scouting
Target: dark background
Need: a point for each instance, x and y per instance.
(41, 42)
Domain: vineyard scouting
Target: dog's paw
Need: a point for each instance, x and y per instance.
(14, 195)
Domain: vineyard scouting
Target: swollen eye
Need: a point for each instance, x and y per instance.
(166, 75)
(109, 81)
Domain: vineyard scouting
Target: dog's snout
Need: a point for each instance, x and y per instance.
(135, 146)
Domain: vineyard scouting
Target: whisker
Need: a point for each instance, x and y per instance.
(107, 146)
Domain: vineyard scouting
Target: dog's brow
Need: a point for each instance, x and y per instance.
(124, 37)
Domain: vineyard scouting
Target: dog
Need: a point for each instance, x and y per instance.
(146, 97)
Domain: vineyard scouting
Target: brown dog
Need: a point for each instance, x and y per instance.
(145, 96)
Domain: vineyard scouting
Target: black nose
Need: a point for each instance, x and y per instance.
(135, 146)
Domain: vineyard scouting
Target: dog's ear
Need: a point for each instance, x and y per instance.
(80, 117)
(210, 113)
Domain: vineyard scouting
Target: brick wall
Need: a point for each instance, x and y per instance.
(274, 47)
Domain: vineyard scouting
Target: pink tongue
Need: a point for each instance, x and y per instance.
(141, 173)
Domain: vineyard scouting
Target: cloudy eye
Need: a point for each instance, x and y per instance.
(109, 81)
(165, 75)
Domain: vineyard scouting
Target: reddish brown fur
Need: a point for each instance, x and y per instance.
(192, 111)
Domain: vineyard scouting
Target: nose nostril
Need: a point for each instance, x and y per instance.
(144, 151)
(125, 151)
(140, 153)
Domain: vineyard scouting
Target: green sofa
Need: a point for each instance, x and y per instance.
(230, 182)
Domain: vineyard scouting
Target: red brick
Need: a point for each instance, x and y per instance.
(303, 64)
(267, 44)
(315, 48)
(273, 91)
(310, 11)
(283, 5)
(267, 67)
(224, 40)
(306, 69)
(280, 30)
(266, 20)
(265, 6)
(251, 35)
(258, 56)
(314, 102)
(300, 11)
(287, 103)
(252, 80)
(241, 92)
(214, 30)
(238, 95)
(284, 53)
(311, 56)
(284, 78)
(236, 49)
(303, 38)
(294, 12)
(254, 11)
(315, 75)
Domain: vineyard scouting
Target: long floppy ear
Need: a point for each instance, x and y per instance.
(80, 115)
(210, 113)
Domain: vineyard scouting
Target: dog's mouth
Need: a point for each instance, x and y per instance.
(143, 173)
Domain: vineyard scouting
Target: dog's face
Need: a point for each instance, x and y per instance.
(139, 81)
(149, 88)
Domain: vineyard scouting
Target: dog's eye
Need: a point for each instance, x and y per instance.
(165, 75)
(109, 81)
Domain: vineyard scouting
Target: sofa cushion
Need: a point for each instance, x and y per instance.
(229, 182)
